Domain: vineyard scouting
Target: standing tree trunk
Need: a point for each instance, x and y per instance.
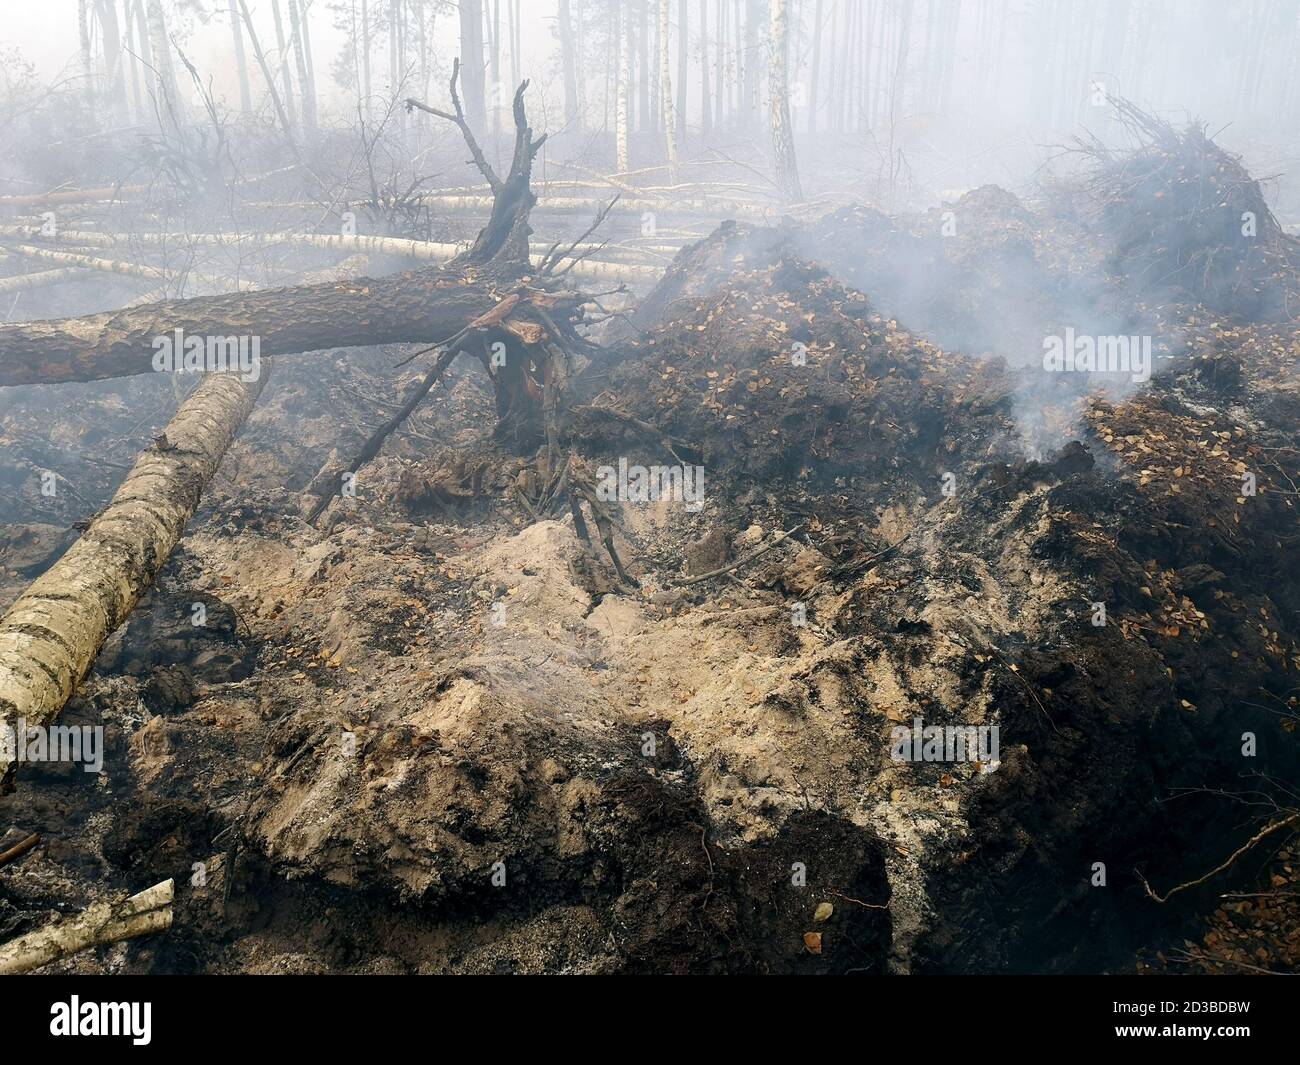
(160, 48)
(241, 61)
(115, 76)
(422, 30)
(493, 29)
(87, 60)
(471, 59)
(816, 68)
(572, 119)
(720, 65)
(683, 62)
(706, 106)
(778, 98)
(310, 87)
(667, 106)
(283, 51)
(753, 18)
(365, 55)
(647, 120)
(135, 51)
(515, 59)
(267, 76)
(622, 34)
(300, 60)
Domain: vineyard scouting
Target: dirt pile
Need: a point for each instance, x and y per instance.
(783, 372)
(1185, 221)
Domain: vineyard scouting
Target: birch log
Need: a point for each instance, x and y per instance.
(418, 250)
(106, 922)
(40, 279)
(117, 266)
(51, 635)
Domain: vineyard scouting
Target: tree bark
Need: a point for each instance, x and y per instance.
(310, 87)
(133, 51)
(816, 68)
(268, 77)
(165, 77)
(706, 108)
(300, 61)
(51, 635)
(282, 46)
(365, 56)
(241, 61)
(87, 60)
(643, 63)
(666, 104)
(106, 922)
(787, 169)
(39, 280)
(471, 58)
(753, 18)
(683, 62)
(420, 305)
(114, 75)
(568, 60)
(622, 33)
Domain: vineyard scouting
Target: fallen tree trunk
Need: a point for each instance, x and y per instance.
(423, 305)
(51, 635)
(38, 280)
(65, 196)
(419, 250)
(106, 922)
(118, 266)
(459, 204)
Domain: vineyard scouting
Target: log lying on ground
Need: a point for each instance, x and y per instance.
(51, 635)
(40, 279)
(118, 266)
(104, 923)
(423, 305)
(35, 199)
(715, 209)
(419, 250)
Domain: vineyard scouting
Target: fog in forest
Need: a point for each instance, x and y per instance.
(901, 102)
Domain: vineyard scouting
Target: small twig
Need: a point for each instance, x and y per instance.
(744, 560)
(859, 902)
(480, 160)
(19, 849)
(548, 264)
(1269, 830)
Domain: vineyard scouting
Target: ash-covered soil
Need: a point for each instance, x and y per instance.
(438, 733)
